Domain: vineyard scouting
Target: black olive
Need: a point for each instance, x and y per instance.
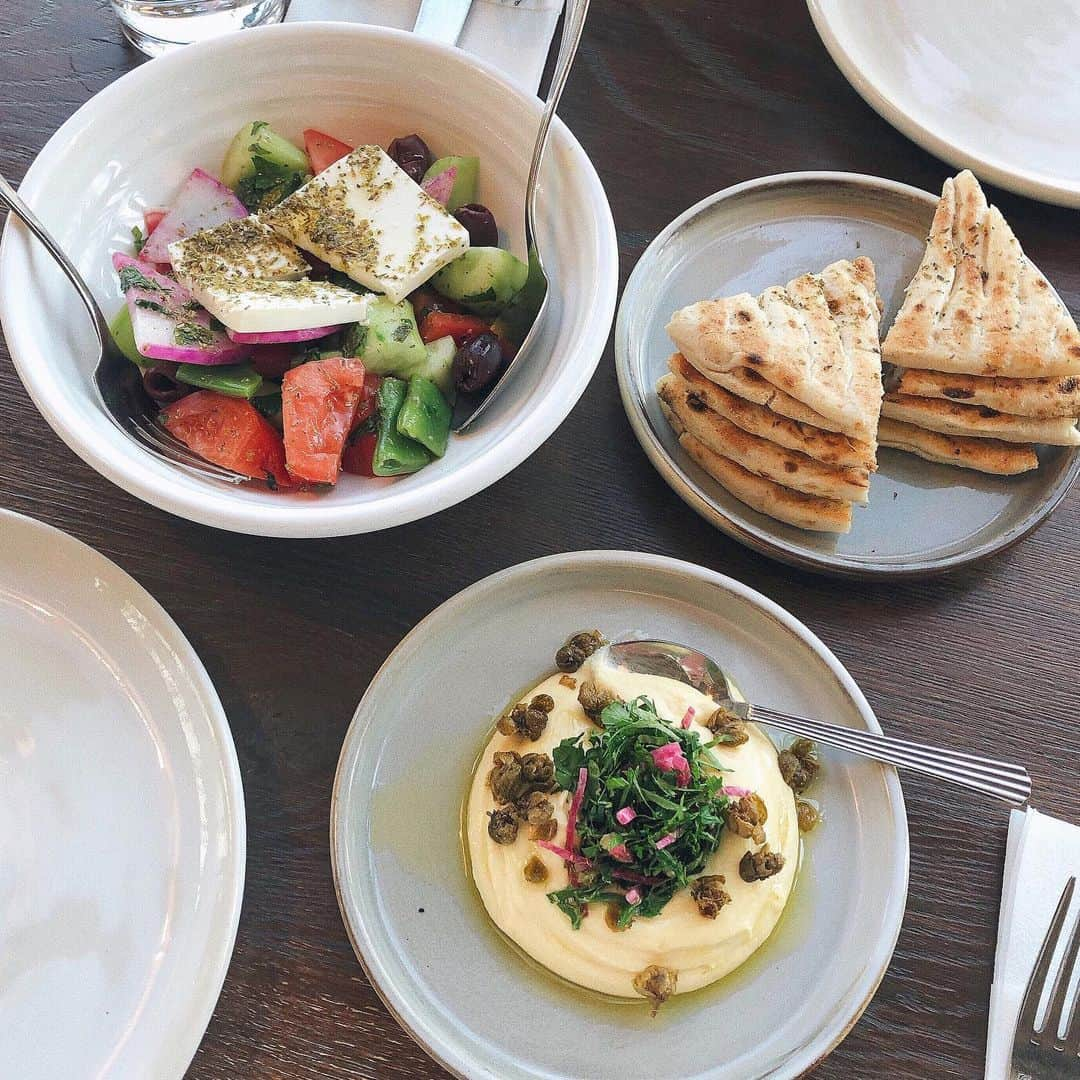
(412, 154)
(477, 363)
(160, 384)
(480, 222)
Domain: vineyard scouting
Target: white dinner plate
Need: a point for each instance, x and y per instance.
(993, 87)
(121, 822)
(417, 923)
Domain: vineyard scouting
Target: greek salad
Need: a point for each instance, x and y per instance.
(317, 311)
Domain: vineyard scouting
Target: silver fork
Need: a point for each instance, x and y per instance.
(1040, 1053)
(998, 779)
(531, 302)
(117, 381)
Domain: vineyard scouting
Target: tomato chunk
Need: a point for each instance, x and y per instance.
(318, 406)
(360, 454)
(152, 219)
(229, 432)
(323, 150)
(369, 399)
(462, 328)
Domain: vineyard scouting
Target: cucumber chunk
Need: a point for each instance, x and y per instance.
(232, 380)
(463, 187)
(389, 343)
(483, 280)
(262, 167)
(439, 365)
(124, 336)
(395, 453)
(425, 416)
(516, 319)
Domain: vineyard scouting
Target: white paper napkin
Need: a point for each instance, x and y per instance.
(514, 35)
(1041, 854)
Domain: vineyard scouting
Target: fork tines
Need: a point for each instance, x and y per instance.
(1058, 1051)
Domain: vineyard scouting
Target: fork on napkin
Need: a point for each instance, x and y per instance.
(1041, 854)
(514, 35)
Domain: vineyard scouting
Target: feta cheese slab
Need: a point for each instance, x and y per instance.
(260, 306)
(239, 249)
(367, 218)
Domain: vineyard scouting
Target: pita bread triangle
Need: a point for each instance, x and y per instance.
(978, 305)
(815, 339)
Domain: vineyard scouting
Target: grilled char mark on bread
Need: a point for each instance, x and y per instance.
(977, 305)
(983, 455)
(765, 458)
(1043, 399)
(775, 500)
(953, 418)
(829, 447)
(816, 340)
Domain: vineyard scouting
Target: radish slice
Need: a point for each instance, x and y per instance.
(153, 218)
(441, 186)
(622, 853)
(670, 758)
(578, 862)
(279, 337)
(688, 716)
(625, 815)
(575, 807)
(166, 321)
(735, 792)
(666, 841)
(203, 202)
(633, 896)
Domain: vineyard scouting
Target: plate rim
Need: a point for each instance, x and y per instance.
(230, 765)
(866, 987)
(675, 476)
(1034, 185)
(307, 521)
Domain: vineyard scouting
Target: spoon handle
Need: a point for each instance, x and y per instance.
(11, 199)
(998, 779)
(573, 25)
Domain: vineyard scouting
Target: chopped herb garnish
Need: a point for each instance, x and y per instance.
(149, 305)
(268, 182)
(684, 807)
(187, 333)
(132, 278)
(258, 125)
(354, 339)
(403, 330)
(138, 240)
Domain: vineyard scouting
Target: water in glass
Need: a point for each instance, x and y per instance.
(155, 26)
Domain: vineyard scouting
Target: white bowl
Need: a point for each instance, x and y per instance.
(131, 146)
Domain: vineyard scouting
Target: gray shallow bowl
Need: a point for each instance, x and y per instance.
(923, 518)
(462, 990)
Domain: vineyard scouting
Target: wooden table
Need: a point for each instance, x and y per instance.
(673, 99)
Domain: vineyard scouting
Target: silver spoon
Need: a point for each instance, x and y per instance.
(117, 381)
(532, 301)
(998, 779)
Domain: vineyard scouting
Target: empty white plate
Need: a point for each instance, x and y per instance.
(121, 821)
(991, 87)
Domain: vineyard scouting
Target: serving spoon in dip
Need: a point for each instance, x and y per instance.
(998, 779)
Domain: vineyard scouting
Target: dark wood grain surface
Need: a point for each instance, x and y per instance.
(673, 99)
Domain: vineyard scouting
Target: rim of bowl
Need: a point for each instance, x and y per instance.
(675, 476)
(410, 1018)
(1032, 183)
(138, 474)
(232, 780)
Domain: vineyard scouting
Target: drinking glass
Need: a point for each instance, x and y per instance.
(156, 26)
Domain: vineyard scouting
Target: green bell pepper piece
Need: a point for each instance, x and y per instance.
(395, 453)
(425, 416)
(232, 380)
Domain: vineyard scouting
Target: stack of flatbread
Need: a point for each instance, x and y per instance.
(778, 397)
(987, 355)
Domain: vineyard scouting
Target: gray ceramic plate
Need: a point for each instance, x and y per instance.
(417, 924)
(922, 518)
